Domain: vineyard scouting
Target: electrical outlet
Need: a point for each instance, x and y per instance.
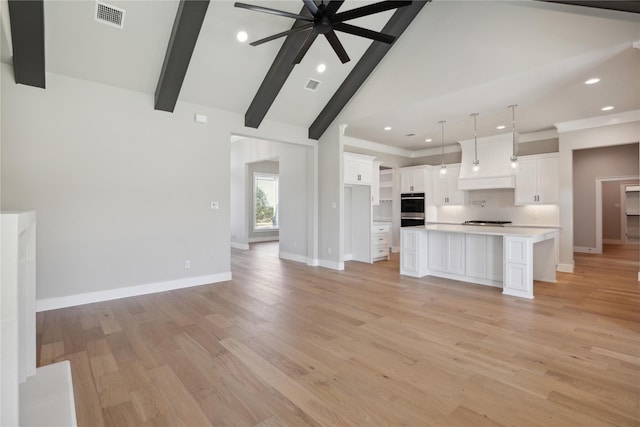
(329, 251)
(187, 264)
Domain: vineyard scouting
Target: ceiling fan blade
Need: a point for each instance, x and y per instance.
(363, 32)
(305, 47)
(273, 11)
(311, 5)
(359, 12)
(337, 46)
(294, 30)
(332, 7)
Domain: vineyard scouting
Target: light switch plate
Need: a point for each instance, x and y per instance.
(215, 205)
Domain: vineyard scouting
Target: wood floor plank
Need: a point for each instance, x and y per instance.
(286, 344)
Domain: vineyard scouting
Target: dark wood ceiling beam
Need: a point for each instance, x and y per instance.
(621, 6)
(399, 22)
(184, 36)
(277, 75)
(27, 36)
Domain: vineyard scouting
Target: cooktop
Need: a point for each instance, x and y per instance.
(486, 222)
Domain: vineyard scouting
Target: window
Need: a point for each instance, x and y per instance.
(265, 201)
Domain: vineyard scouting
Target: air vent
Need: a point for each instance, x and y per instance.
(109, 15)
(312, 85)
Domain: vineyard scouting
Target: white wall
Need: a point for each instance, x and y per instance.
(122, 192)
(602, 136)
(296, 170)
(330, 199)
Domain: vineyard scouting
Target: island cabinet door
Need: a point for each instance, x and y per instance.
(437, 251)
(477, 256)
(409, 253)
(455, 253)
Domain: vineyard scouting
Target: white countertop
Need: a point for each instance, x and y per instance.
(485, 229)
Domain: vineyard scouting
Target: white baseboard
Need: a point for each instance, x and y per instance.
(333, 265)
(565, 268)
(348, 257)
(264, 239)
(585, 250)
(395, 249)
(292, 257)
(241, 246)
(613, 241)
(129, 291)
(638, 276)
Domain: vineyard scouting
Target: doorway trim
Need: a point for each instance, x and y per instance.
(599, 181)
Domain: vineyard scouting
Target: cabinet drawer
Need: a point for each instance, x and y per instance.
(379, 251)
(379, 239)
(380, 229)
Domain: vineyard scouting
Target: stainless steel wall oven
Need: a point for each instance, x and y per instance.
(412, 209)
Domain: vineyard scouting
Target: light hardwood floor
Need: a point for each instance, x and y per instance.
(286, 344)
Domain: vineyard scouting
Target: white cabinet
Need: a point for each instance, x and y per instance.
(380, 240)
(447, 252)
(484, 256)
(445, 187)
(413, 244)
(375, 184)
(415, 179)
(358, 169)
(537, 180)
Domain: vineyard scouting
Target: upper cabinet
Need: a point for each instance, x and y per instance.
(415, 179)
(445, 187)
(537, 180)
(358, 169)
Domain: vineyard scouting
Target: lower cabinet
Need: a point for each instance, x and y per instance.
(476, 257)
(413, 248)
(380, 240)
(446, 252)
(484, 256)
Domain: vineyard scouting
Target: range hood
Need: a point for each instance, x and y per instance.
(495, 169)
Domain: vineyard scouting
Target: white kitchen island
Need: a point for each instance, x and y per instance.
(507, 257)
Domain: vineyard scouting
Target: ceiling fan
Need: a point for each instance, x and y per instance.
(325, 20)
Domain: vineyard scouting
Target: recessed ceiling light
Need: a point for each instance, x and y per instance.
(500, 127)
(387, 128)
(428, 140)
(321, 68)
(592, 81)
(607, 108)
(242, 36)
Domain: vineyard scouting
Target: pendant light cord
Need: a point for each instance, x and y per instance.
(442, 122)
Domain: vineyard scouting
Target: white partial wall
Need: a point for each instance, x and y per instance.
(330, 199)
(608, 131)
(296, 171)
(122, 192)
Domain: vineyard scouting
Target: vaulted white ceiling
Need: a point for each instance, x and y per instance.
(456, 58)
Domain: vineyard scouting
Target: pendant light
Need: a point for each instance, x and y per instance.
(514, 155)
(443, 167)
(476, 162)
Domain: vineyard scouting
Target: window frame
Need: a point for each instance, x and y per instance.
(275, 177)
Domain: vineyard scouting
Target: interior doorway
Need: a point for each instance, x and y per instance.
(610, 209)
